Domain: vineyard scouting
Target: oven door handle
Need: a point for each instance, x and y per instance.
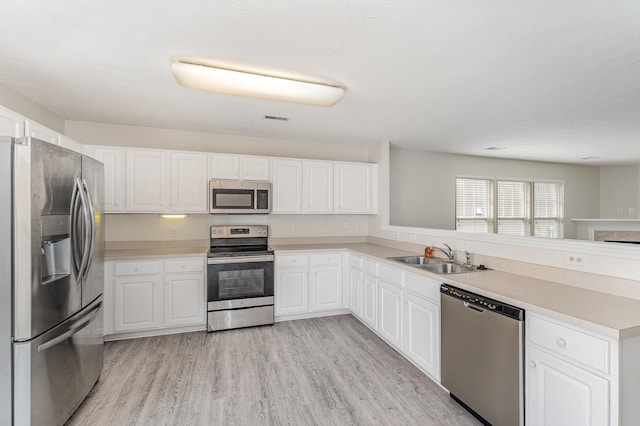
(240, 259)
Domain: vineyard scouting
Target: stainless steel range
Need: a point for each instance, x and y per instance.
(239, 278)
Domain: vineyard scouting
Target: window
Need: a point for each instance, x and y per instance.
(514, 207)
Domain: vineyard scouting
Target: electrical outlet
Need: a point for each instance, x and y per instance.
(357, 229)
(396, 235)
(294, 230)
(345, 225)
(630, 210)
(576, 259)
(620, 209)
(172, 232)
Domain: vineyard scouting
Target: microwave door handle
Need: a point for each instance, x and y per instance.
(76, 251)
(91, 225)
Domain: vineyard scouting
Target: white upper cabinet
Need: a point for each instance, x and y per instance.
(287, 185)
(189, 184)
(254, 168)
(317, 181)
(354, 188)
(38, 131)
(67, 142)
(146, 180)
(11, 123)
(113, 160)
(225, 166)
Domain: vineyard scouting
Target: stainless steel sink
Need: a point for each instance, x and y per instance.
(435, 265)
(417, 260)
(448, 268)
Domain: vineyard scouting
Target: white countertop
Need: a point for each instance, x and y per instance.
(613, 316)
(610, 315)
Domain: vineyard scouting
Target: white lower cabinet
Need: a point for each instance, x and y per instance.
(560, 393)
(370, 301)
(150, 297)
(292, 291)
(569, 378)
(308, 284)
(422, 333)
(138, 303)
(355, 291)
(390, 321)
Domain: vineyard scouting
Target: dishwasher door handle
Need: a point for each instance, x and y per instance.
(470, 306)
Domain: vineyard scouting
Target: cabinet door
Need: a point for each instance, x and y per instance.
(559, 393)
(325, 288)
(390, 320)
(422, 333)
(112, 158)
(146, 181)
(292, 291)
(287, 186)
(223, 166)
(138, 303)
(184, 300)
(254, 168)
(189, 183)
(11, 123)
(370, 300)
(317, 179)
(355, 292)
(353, 188)
(38, 131)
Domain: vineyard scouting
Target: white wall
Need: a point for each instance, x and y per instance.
(25, 106)
(148, 137)
(422, 185)
(619, 189)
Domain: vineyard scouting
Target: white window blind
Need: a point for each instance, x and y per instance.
(515, 207)
(548, 209)
(474, 205)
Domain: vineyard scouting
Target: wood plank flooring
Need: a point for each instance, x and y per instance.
(323, 371)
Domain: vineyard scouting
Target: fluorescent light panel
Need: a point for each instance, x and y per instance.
(214, 79)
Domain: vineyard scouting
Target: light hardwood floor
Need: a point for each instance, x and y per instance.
(323, 371)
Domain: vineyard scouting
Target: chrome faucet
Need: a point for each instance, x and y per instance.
(449, 253)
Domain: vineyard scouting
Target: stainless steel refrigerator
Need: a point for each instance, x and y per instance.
(51, 280)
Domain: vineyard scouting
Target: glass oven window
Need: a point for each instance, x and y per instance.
(241, 284)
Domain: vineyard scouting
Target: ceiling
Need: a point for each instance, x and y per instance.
(551, 80)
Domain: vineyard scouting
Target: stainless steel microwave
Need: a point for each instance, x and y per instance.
(239, 197)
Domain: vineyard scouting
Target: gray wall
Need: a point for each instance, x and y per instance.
(25, 106)
(422, 185)
(619, 190)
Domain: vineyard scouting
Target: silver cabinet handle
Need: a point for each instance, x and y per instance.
(91, 224)
(561, 342)
(532, 364)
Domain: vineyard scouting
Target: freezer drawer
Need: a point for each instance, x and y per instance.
(55, 372)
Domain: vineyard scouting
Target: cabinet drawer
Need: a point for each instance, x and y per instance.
(184, 265)
(292, 260)
(390, 274)
(355, 261)
(137, 268)
(423, 287)
(574, 344)
(325, 259)
(370, 267)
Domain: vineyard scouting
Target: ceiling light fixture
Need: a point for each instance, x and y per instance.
(234, 82)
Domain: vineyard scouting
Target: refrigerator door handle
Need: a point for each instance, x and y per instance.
(86, 237)
(73, 329)
(91, 228)
(76, 250)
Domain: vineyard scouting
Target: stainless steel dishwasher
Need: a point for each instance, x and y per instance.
(482, 355)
